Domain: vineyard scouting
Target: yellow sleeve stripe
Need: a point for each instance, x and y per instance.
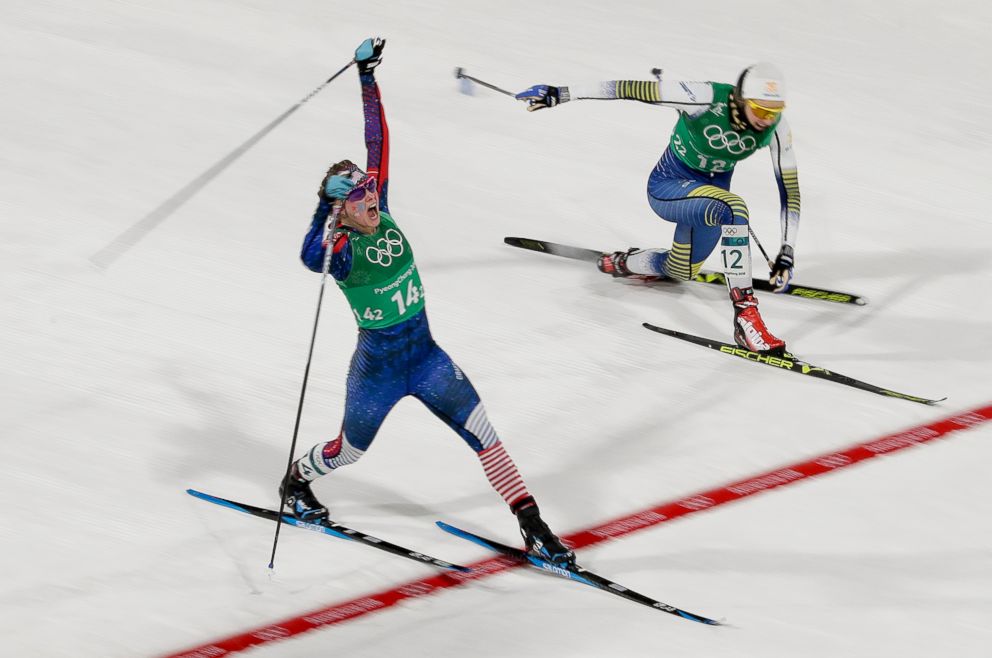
(790, 180)
(638, 91)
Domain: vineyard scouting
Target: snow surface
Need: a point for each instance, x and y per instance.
(180, 364)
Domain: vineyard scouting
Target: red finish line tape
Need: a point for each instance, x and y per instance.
(342, 612)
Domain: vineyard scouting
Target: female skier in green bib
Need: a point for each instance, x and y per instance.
(719, 125)
(373, 265)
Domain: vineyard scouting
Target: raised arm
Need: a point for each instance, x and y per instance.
(337, 183)
(368, 56)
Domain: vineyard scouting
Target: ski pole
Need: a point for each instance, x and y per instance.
(332, 224)
(764, 253)
(461, 75)
(123, 242)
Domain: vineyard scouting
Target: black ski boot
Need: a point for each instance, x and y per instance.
(300, 500)
(540, 540)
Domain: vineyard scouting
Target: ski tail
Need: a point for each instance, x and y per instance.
(327, 527)
(555, 249)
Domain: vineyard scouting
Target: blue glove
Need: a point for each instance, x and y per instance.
(539, 97)
(782, 269)
(337, 187)
(369, 54)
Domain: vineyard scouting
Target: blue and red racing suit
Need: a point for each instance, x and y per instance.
(402, 359)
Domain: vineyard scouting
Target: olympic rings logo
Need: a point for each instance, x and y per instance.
(385, 249)
(729, 141)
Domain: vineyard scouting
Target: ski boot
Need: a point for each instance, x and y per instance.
(750, 331)
(615, 263)
(539, 539)
(300, 499)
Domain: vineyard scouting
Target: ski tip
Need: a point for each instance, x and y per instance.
(205, 496)
(223, 502)
(913, 398)
(458, 532)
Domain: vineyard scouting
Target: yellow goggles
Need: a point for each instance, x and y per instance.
(763, 112)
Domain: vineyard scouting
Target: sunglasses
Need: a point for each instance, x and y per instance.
(763, 112)
(357, 193)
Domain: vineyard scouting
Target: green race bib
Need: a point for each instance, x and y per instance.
(709, 143)
(383, 287)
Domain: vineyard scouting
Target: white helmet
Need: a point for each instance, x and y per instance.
(761, 81)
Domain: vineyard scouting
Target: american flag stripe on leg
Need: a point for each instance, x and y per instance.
(503, 474)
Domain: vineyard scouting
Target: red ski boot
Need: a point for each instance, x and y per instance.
(750, 331)
(615, 263)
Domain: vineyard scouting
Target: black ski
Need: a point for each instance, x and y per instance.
(576, 573)
(328, 528)
(716, 278)
(787, 362)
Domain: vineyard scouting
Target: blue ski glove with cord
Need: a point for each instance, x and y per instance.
(539, 97)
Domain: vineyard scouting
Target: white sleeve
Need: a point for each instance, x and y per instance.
(787, 177)
(690, 97)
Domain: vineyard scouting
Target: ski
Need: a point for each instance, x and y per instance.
(328, 528)
(787, 362)
(716, 278)
(576, 573)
